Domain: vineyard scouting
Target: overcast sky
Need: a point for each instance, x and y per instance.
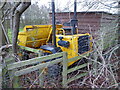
(92, 5)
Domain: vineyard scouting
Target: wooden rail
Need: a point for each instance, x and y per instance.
(33, 61)
(31, 49)
(66, 71)
(37, 64)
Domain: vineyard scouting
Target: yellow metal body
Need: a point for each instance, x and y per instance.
(72, 50)
(36, 35)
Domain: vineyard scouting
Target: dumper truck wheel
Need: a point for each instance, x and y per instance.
(54, 71)
(25, 55)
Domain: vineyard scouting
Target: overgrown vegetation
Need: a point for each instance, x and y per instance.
(10, 34)
(35, 15)
(103, 73)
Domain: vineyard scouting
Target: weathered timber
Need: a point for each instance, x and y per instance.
(77, 77)
(64, 73)
(39, 66)
(78, 57)
(77, 67)
(1, 76)
(30, 49)
(33, 61)
(16, 83)
(41, 78)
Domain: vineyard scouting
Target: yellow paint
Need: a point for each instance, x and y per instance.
(72, 50)
(36, 35)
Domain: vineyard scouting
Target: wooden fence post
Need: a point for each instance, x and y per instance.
(16, 82)
(0, 76)
(41, 78)
(1, 70)
(64, 73)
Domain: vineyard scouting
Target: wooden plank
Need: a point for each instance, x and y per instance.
(77, 77)
(30, 49)
(39, 66)
(1, 73)
(78, 57)
(33, 61)
(9, 60)
(77, 67)
(1, 76)
(41, 77)
(16, 83)
(64, 73)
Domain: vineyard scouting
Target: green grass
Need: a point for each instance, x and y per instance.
(10, 34)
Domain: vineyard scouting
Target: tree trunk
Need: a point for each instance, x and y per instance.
(15, 31)
(12, 15)
(18, 12)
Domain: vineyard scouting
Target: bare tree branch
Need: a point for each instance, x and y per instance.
(14, 7)
(109, 5)
(5, 33)
(5, 14)
(3, 5)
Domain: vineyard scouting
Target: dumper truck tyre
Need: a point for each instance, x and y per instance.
(54, 71)
(25, 54)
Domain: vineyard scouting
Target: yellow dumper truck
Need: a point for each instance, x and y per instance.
(61, 39)
(40, 36)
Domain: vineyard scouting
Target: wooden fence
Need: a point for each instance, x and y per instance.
(66, 71)
(39, 65)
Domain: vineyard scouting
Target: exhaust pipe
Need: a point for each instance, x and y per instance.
(75, 10)
(53, 24)
(74, 20)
